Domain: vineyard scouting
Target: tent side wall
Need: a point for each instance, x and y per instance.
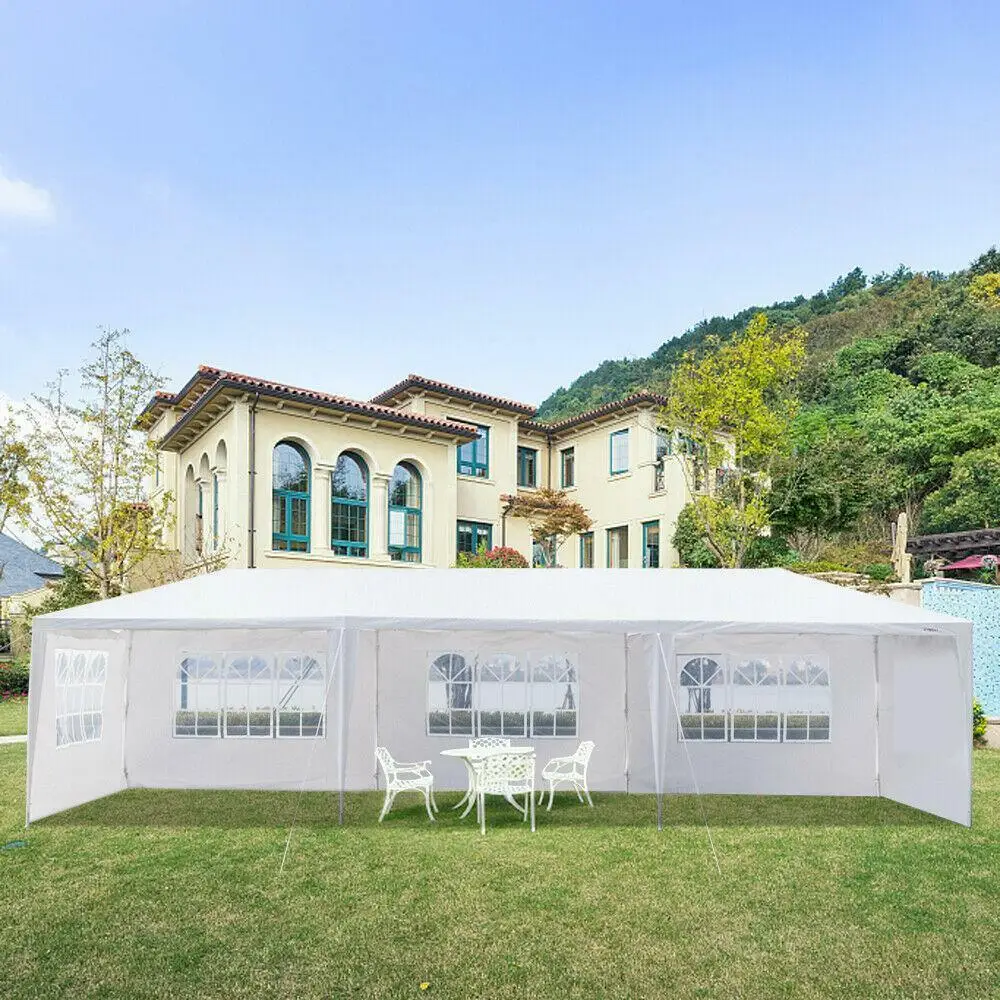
(844, 765)
(404, 663)
(925, 722)
(157, 758)
(76, 723)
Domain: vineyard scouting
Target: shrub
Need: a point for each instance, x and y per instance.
(14, 677)
(878, 571)
(978, 724)
(499, 557)
(820, 566)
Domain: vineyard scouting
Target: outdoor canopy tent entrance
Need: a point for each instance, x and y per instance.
(728, 681)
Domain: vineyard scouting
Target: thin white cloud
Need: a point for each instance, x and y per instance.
(22, 200)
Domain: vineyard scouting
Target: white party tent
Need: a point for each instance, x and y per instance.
(732, 681)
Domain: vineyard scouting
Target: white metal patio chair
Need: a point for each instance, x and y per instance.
(506, 775)
(411, 777)
(479, 743)
(569, 770)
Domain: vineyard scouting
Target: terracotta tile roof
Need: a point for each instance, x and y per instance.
(605, 410)
(456, 392)
(217, 379)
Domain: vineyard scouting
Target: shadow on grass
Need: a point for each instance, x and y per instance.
(180, 809)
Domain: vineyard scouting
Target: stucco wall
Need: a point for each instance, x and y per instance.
(625, 499)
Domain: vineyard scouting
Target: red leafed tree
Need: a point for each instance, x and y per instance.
(552, 516)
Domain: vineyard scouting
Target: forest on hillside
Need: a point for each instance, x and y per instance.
(899, 402)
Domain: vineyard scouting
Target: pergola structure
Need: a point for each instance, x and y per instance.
(955, 544)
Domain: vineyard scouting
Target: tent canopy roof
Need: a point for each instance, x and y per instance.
(764, 600)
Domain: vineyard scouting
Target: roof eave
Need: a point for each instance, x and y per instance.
(173, 439)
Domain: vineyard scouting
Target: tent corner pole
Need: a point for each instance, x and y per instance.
(341, 742)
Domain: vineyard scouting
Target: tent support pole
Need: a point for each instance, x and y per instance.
(341, 688)
(341, 743)
(878, 720)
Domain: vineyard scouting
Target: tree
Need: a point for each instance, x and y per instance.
(736, 403)
(832, 475)
(985, 289)
(13, 474)
(971, 496)
(88, 468)
(552, 517)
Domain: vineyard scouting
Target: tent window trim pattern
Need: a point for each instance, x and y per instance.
(227, 679)
(81, 675)
(724, 699)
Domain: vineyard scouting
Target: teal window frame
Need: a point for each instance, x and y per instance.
(474, 456)
(570, 481)
(200, 522)
(399, 553)
(351, 549)
(527, 459)
(477, 529)
(586, 536)
(285, 541)
(607, 554)
(611, 452)
(646, 562)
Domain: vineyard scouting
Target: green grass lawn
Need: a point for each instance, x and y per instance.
(180, 894)
(14, 717)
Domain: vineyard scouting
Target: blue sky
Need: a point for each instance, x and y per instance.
(500, 195)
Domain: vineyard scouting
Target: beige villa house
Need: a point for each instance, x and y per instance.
(266, 474)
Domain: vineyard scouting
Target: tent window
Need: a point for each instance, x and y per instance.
(807, 700)
(503, 695)
(703, 699)
(449, 696)
(761, 699)
(301, 697)
(198, 707)
(555, 693)
(247, 695)
(756, 701)
(80, 679)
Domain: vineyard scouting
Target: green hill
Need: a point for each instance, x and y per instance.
(900, 401)
(853, 306)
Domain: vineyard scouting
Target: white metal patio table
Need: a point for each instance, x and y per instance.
(468, 756)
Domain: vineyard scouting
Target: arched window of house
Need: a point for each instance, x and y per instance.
(349, 507)
(289, 498)
(191, 498)
(218, 526)
(405, 503)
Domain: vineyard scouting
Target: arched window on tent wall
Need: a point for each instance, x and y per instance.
(289, 498)
(349, 510)
(405, 502)
(449, 696)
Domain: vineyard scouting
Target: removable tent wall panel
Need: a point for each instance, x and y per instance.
(611, 610)
(68, 772)
(925, 723)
